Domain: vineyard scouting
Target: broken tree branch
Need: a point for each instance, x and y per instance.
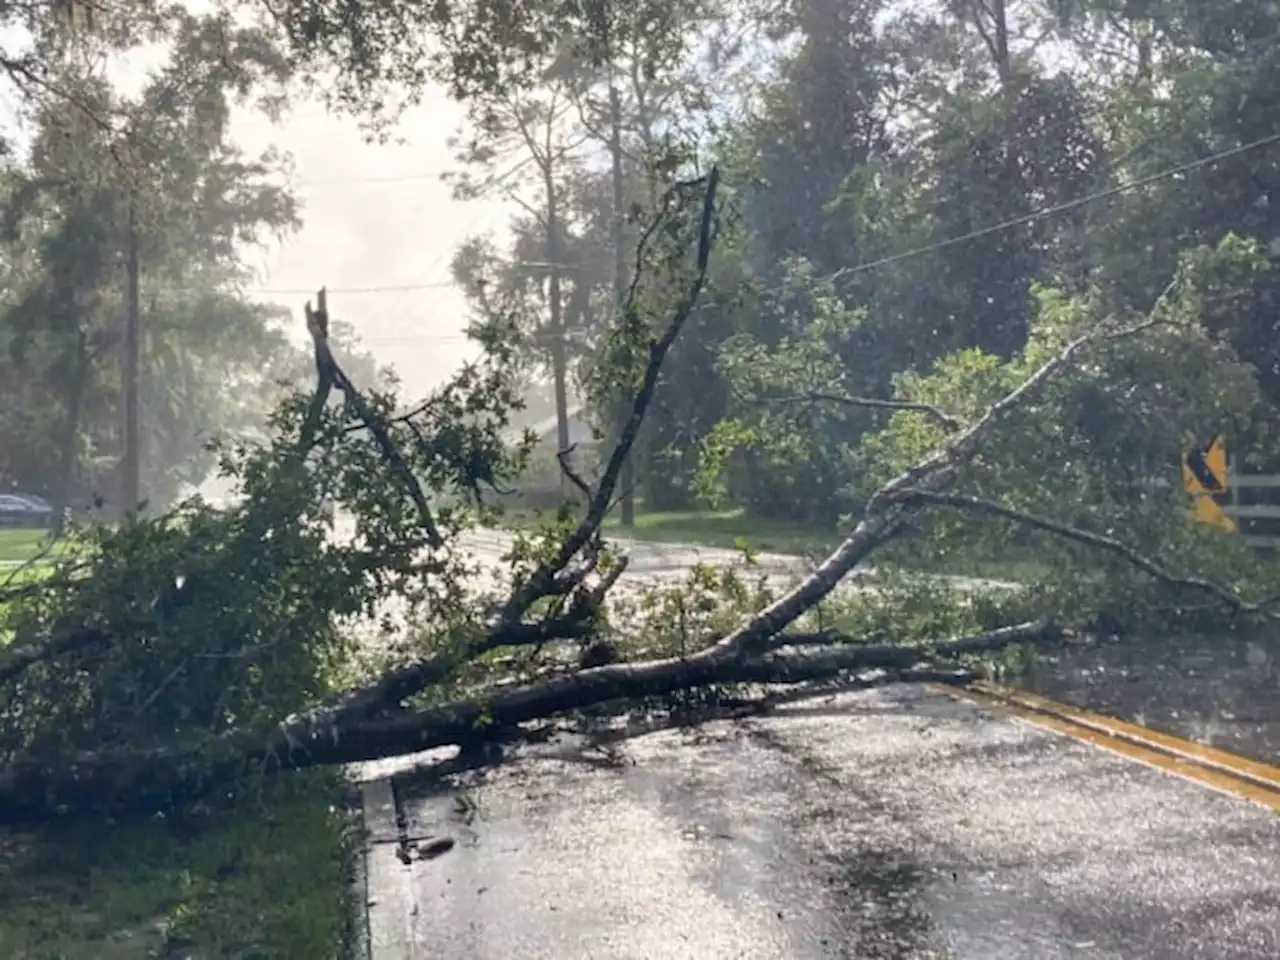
(32, 787)
(886, 514)
(329, 373)
(318, 329)
(962, 449)
(1109, 544)
(541, 582)
(402, 682)
(20, 654)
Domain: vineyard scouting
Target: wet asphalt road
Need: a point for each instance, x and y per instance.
(653, 562)
(1221, 691)
(888, 824)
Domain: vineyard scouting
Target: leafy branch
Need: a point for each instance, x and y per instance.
(1107, 544)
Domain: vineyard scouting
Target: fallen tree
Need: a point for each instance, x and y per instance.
(66, 643)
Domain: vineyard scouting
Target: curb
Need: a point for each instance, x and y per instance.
(360, 946)
(388, 903)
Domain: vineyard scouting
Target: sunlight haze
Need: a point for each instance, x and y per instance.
(378, 226)
(379, 229)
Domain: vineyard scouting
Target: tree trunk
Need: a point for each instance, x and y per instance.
(65, 482)
(628, 503)
(131, 461)
(559, 363)
(117, 779)
(1000, 27)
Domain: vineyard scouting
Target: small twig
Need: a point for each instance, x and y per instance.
(164, 685)
(570, 474)
(613, 503)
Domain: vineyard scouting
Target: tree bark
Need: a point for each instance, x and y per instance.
(627, 501)
(131, 460)
(133, 779)
(69, 434)
(559, 361)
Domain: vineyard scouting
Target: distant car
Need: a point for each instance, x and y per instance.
(24, 510)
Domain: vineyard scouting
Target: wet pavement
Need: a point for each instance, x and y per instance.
(884, 825)
(656, 562)
(1220, 691)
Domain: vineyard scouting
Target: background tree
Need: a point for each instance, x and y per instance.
(194, 201)
(529, 130)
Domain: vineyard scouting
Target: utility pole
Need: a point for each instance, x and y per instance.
(131, 461)
(627, 477)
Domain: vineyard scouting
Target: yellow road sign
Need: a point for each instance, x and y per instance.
(1204, 473)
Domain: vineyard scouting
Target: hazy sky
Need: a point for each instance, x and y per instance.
(379, 231)
(373, 217)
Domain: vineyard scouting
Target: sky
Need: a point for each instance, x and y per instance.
(379, 230)
(379, 227)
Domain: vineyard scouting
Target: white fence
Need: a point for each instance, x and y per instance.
(1258, 523)
(1250, 516)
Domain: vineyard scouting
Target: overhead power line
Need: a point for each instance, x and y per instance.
(495, 180)
(994, 228)
(1058, 208)
(388, 288)
(404, 287)
(396, 178)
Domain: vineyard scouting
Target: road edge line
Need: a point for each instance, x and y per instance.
(1203, 765)
(1260, 774)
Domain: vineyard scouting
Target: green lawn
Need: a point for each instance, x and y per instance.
(19, 545)
(264, 876)
(728, 529)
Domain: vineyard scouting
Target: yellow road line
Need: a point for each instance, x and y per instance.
(1214, 768)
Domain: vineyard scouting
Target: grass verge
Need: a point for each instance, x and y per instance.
(19, 545)
(728, 529)
(265, 877)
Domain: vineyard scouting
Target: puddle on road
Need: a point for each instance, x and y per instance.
(1220, 691)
